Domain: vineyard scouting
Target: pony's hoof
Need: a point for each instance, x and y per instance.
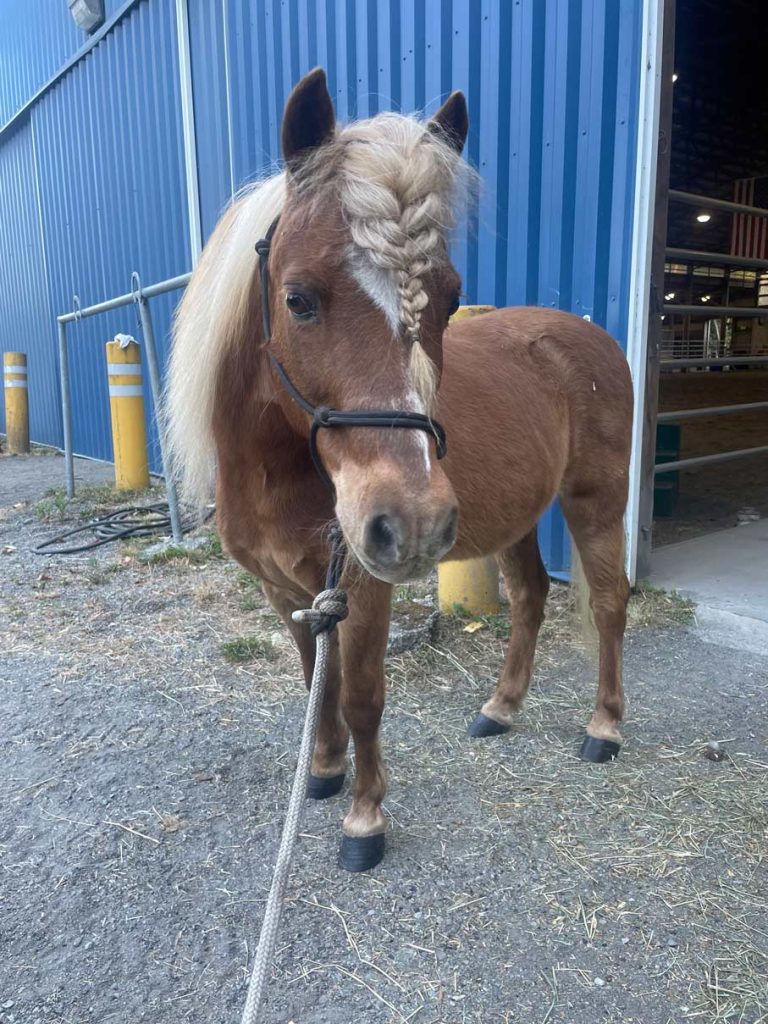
(485, 726)
(598, 750)
(320, 788)
(361, 853)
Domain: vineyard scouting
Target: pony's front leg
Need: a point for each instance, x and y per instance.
(363, 637)
(329, 758)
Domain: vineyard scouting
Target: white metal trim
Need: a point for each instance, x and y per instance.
(228, 90)
(188, 128)
(649, 106)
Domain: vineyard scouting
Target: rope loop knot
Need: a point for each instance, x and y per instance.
(328, 609)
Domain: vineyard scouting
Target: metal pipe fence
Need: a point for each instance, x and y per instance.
(686, 364)
(140, 296)
(716, 258)
(709, 203)
(716, 312)
(713, 410)
(708, 460)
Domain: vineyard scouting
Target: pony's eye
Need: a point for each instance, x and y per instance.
(301, 306)
(455, 302)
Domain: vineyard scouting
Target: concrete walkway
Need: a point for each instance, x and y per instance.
(726, 574)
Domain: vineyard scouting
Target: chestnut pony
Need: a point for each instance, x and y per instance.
(535, 403)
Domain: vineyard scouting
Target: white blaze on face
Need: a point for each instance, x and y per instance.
(380, 287)
(415, 404)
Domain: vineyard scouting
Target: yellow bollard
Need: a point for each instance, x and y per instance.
(465, 311)
(473, 584)
(126, 404)
(16, 402)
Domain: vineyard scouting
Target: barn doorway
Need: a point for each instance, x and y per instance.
(712, 422)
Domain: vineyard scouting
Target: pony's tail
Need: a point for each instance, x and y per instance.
(580, 589)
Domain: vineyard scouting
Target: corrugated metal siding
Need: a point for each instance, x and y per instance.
(113, 195)
(25, 311)
(552, 90)
(36, 38)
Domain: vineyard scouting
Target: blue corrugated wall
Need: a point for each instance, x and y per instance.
(36, 38)
(552, 87)
(26, 315)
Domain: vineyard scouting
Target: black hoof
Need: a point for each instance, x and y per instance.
(598, 751)
(485, 726)
(361, 853)
(320, 788)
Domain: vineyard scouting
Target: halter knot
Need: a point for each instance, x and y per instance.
(328, 608)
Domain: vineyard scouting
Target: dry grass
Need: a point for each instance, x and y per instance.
(90, 500)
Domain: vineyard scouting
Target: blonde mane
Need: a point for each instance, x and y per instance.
(398, 185)
(207, 322)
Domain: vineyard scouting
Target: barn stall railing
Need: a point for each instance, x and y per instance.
(140, 297)
(692, 256)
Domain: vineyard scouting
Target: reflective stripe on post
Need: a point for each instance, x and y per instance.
(471, 585)
(126, 404)
(16, 402)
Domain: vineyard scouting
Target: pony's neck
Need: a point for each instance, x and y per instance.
(250, 425)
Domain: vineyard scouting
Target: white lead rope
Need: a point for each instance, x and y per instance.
(327, 603)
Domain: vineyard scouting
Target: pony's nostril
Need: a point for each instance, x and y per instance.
(382, 538)
(451, 529)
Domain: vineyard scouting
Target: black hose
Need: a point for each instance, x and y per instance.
(133, 521)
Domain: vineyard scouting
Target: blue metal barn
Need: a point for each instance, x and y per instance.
(118, 152)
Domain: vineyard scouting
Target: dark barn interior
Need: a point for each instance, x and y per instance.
(719, 152)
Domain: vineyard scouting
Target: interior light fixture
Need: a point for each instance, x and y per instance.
(705, 298)
(703, 217)
(669, 296)
(675, 76)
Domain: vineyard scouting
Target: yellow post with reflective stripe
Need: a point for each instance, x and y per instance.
(472, 585)
(126, 404)
(16, 402)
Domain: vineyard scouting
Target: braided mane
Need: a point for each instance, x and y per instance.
(398, 184)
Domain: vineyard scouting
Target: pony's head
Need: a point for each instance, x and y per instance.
(361, 290)
(361, 287)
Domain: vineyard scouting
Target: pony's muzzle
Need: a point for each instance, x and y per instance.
(396, 546)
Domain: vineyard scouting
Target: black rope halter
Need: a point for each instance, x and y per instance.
(321, 415)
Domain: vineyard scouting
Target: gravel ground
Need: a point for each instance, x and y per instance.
(147, 769)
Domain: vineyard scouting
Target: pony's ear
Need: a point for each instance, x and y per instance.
(309, 119)
(451, 122)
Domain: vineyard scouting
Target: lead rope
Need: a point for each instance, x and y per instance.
(328, 608)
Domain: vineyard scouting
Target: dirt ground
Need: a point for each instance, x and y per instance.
(149, 722)
(723, 495)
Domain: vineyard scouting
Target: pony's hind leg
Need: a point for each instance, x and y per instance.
(600, 543)
(329, 758)
(527, 586)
